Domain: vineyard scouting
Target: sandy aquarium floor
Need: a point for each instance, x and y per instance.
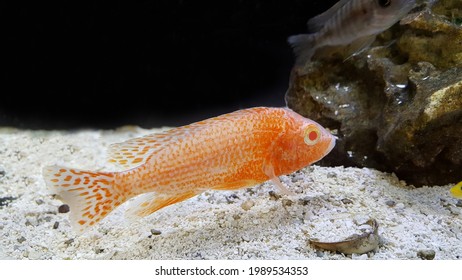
(255, 223)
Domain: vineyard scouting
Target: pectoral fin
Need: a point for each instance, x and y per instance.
(358, 46)
(269, 171)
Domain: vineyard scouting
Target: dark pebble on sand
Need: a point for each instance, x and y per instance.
(63, 208)
(99, 251)
(390, 203)
(459, 203)
(4, 201)
(273, 195)
(21, 239)
(304, 201)
(347, 201)
(2, 172)
(69, 241)
(39, 201)
(55, 225)
(287, 202)
(156, 232)
(331, 175)
(231, 198)
(426, 254)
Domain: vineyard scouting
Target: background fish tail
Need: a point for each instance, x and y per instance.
(90, 195)
(304, 48)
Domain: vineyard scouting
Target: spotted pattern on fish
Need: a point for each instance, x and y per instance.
(228, 152)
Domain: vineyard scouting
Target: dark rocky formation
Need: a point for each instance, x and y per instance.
(397, 106)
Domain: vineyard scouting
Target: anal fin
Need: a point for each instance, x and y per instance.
(149, 203)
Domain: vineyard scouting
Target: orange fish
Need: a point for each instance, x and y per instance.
(228, 152)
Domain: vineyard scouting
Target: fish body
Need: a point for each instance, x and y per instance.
(228, 152)
(351, 24)
(456, 191)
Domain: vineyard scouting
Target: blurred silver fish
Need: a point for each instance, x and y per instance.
(350, 24)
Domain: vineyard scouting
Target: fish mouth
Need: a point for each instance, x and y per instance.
(331, 144)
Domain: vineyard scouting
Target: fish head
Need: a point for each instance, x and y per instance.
(385, 13)
(317, 141)
(303, 142)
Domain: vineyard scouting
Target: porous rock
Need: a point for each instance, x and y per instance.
(397, 106)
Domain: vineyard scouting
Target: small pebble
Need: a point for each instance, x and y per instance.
(247, 205)
(63, 208)
(155, 232)
(47, 219)
(399, 206)
(69, 241)
(273, 195)
(236, 217)
(32, 223)
(21, 239)
(99, 251)
(331, 175)
(2, 172)
(4, 201)
(459, 203)
(375, 194)
(347, 201)
(426, 254)
(304, 201)
(231, 198)
(287, 202)
(359, 256)
(39, 201)
(390, 203)
(55, 225)
(34, 255)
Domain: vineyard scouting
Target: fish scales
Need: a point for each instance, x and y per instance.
(208, 151)
(228, 152)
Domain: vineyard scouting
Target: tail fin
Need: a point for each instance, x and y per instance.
(90, 195)
(304, 46)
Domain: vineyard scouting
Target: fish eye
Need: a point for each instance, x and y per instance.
(384, 3)
(312, 135)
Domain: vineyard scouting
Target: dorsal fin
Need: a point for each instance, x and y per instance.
(316, 23)
(136, 151)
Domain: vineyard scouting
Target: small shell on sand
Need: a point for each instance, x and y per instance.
(362, 243)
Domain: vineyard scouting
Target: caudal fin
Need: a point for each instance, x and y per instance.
(90, 195)
(304, 48)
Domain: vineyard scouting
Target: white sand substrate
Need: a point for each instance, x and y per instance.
(254, 223)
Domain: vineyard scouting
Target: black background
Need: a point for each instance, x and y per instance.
(149, 63)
